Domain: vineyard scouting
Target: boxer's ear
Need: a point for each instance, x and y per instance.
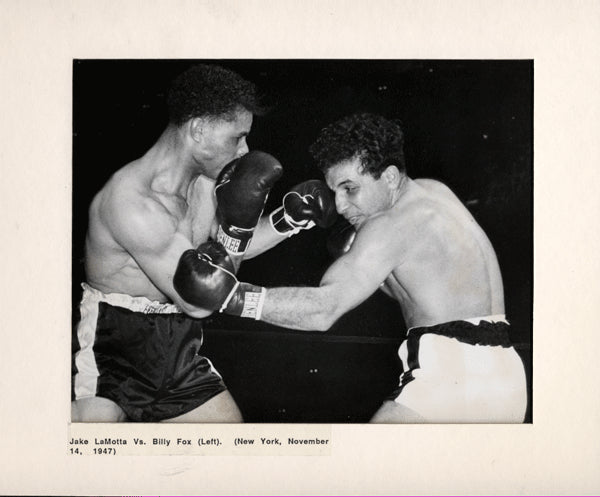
(196, 128)
(391, 174)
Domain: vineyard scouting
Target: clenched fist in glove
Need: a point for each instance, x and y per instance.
(340, 238)
(205, 278)
(304, 206)
(242, 190)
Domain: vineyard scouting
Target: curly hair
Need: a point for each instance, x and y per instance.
(210, 91)
(378, 142)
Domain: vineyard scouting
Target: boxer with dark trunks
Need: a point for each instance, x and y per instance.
(137, 354)
(415, 240)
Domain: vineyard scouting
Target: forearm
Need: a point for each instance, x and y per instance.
(264, 238)
(300, 308)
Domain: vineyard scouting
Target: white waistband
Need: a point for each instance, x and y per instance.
(136, 304)
(494, 318)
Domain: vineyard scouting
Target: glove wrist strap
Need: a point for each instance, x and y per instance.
(235, 240)
(284, 224)
(280, 223)
(245, 300)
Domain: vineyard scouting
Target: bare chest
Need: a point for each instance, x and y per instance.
(194, 214)
(198, 220)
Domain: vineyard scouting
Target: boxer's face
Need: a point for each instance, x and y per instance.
(358, 195)
(222, 141)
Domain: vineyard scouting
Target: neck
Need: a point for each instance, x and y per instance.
(399, 192)
(172, 163)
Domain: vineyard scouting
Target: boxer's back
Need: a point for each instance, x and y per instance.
(447, 267)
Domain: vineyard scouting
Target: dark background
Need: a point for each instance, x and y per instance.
(467, 123)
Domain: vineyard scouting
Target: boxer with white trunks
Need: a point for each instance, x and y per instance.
(416, 241)
(463, 371)
(136, 348)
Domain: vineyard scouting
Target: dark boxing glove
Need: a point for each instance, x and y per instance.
(205, 278)
(341, 238)
(241, 190)
(304, 206)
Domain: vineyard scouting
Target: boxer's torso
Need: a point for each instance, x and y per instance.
(109, 266)
(447, 269)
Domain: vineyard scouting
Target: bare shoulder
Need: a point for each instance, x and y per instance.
(121, 185)
(382, 233)
(378, 224)
(128, 208)
(444, 202)
(434, 186)
(408, 225)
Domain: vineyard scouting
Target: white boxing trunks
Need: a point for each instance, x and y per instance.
(462, 372)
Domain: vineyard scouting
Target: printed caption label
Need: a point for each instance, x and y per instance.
(129, 439)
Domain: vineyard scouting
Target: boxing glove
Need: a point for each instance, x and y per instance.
(341, 238)
(205, 278)
(304, 206)
(242, 189)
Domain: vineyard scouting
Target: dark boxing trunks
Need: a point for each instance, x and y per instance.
(142, 355)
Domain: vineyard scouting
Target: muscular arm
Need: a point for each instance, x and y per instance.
(348, 282)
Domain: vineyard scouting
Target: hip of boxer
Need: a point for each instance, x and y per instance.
(462, 371)
(141, 354)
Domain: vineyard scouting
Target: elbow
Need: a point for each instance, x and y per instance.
(328, 310)
(324, 320)
(191, 310)
(196, 313)
(321, 323)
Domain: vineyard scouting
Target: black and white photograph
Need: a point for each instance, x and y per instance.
(302, 241)
(300, 248)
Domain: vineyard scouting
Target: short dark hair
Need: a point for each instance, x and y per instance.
(210, 91)
(378, 142)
